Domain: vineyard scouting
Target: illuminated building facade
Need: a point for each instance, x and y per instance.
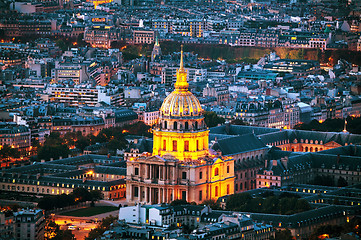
(92, 172)
(16, 136)
(181, 165)
(101, 36)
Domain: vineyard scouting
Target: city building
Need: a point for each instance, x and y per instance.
(84, 95)
(15, 136)
(143, 36)
(181, 165)
(92, 172)
(29, 224)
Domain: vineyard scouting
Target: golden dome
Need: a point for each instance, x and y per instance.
(181, 102)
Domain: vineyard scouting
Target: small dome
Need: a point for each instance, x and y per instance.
(181, 104)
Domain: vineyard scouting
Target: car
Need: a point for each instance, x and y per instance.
(71, 227)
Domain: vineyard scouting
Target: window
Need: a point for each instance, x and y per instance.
(200, 195)
(196, 125)
(216, 172)
(200, 175)
(227, 189)
(184, 175)
(236, 187)
(184, 195)
(136, 171)
(164, 144)
(174, 145)
(216, 191)
(186, 146)
(175, 125)
(227, 169)
(165, 124)
(197, 145)
(186, 125)
(136, 191)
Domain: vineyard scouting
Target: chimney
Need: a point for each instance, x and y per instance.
(51, 159)
(136, 141)
(284, 161)
(61, 157)
(228, 126)
(38, 176)
(69, 155)
(274, 162)
(42, 160)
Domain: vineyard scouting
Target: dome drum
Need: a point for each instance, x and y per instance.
(181, 125)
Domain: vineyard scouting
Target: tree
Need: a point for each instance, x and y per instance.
(212, 119)
(341, 182)
(64, 235)
(46, 203)
(238, 122)
(212, 203)
(178, 202)
(81, 195)
(61, 44)
(237, 201)
(52, 231)
(283, 235)
(331, 230)
(96, 195)
(54, 147)
(101, 228)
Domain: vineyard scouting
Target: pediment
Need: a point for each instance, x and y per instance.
(332, 144)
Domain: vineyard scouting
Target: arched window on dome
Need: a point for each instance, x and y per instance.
(175, 126)
(164, 145)
(186, 146)
(174, 145)
(165, 125)
(186, 125)
(216, 172)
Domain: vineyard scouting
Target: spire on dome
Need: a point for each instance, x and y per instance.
(181, 67)
(181, 83)
(156, 40)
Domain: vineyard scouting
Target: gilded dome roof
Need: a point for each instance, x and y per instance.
(181, 102)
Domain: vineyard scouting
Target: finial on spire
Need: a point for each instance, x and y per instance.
(181, 67)
(181, 84)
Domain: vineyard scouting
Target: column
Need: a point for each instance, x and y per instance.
(145, 167)
(164, 173)
(150, 171)
(159, 196)
(131, 192)
(146, 194)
